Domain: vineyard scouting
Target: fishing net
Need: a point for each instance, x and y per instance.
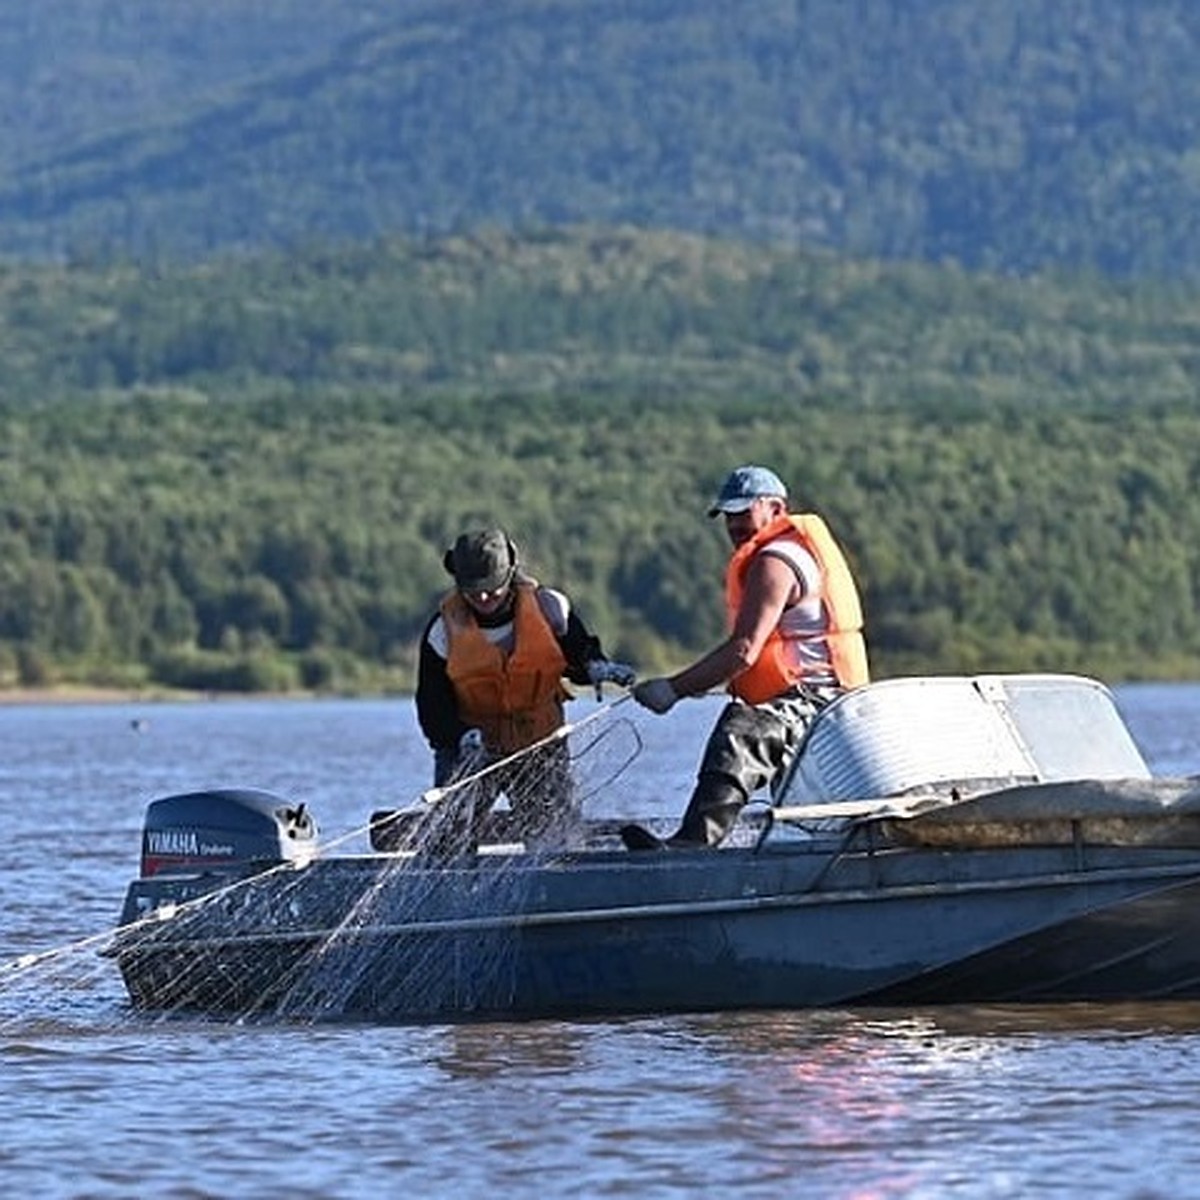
(428, 925)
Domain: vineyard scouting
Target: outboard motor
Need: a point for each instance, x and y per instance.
(214, 831)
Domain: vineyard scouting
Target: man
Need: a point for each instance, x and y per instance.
(489, 680)
(795, 643)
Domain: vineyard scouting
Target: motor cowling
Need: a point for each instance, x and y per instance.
(223, 829)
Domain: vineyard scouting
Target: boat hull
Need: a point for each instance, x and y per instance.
(598, 934)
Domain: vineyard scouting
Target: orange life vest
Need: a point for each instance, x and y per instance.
(775, 670)
(515, 699)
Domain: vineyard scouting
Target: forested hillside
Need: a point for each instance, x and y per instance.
(1015, 136)
(243, 474)
(616, 313)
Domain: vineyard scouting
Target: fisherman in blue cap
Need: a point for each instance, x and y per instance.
(795, 643)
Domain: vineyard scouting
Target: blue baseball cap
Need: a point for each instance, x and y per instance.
(743, 487)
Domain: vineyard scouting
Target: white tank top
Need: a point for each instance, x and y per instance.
(805, 624)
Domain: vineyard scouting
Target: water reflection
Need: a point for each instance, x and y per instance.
(878, 1104)
(832, 1090)
(486, 1050)
(1143, 1019)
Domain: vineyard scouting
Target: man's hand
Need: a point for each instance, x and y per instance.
(470, 743)
(601, 671)
(656, 694)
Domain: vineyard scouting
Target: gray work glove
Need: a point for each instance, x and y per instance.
(471, 743)
(656, 694)
(600, 671)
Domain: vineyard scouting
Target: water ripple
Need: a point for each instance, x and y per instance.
(979, 1102)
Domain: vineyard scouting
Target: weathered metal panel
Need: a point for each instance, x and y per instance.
(891, 737)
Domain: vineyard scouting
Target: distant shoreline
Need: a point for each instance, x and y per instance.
(77, 695)
(91, 694)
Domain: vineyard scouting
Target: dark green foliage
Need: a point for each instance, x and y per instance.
(587, 313)
(1012, 136)
(241, 475)
(1012, 465)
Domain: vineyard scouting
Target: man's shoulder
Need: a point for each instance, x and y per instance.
(795, 558)
(787, 546)
(555, 606)
(436, 636)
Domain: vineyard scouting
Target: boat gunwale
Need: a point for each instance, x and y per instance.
(1171, 875)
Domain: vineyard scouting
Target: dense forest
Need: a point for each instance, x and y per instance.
(242, 474)
(295, 291)
(1011, 137)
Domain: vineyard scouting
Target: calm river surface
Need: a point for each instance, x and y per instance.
(97, 1101)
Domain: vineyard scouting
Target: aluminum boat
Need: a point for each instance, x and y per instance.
(996, 838)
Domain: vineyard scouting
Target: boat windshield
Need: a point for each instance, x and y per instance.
(903, 735)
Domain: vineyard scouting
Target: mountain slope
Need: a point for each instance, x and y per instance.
(1011, 137)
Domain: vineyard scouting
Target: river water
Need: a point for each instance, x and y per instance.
(98, 1101)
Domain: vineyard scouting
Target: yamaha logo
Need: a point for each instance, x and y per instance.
(183, 843)
(172, 841)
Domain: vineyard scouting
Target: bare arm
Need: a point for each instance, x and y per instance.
(770, 585)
